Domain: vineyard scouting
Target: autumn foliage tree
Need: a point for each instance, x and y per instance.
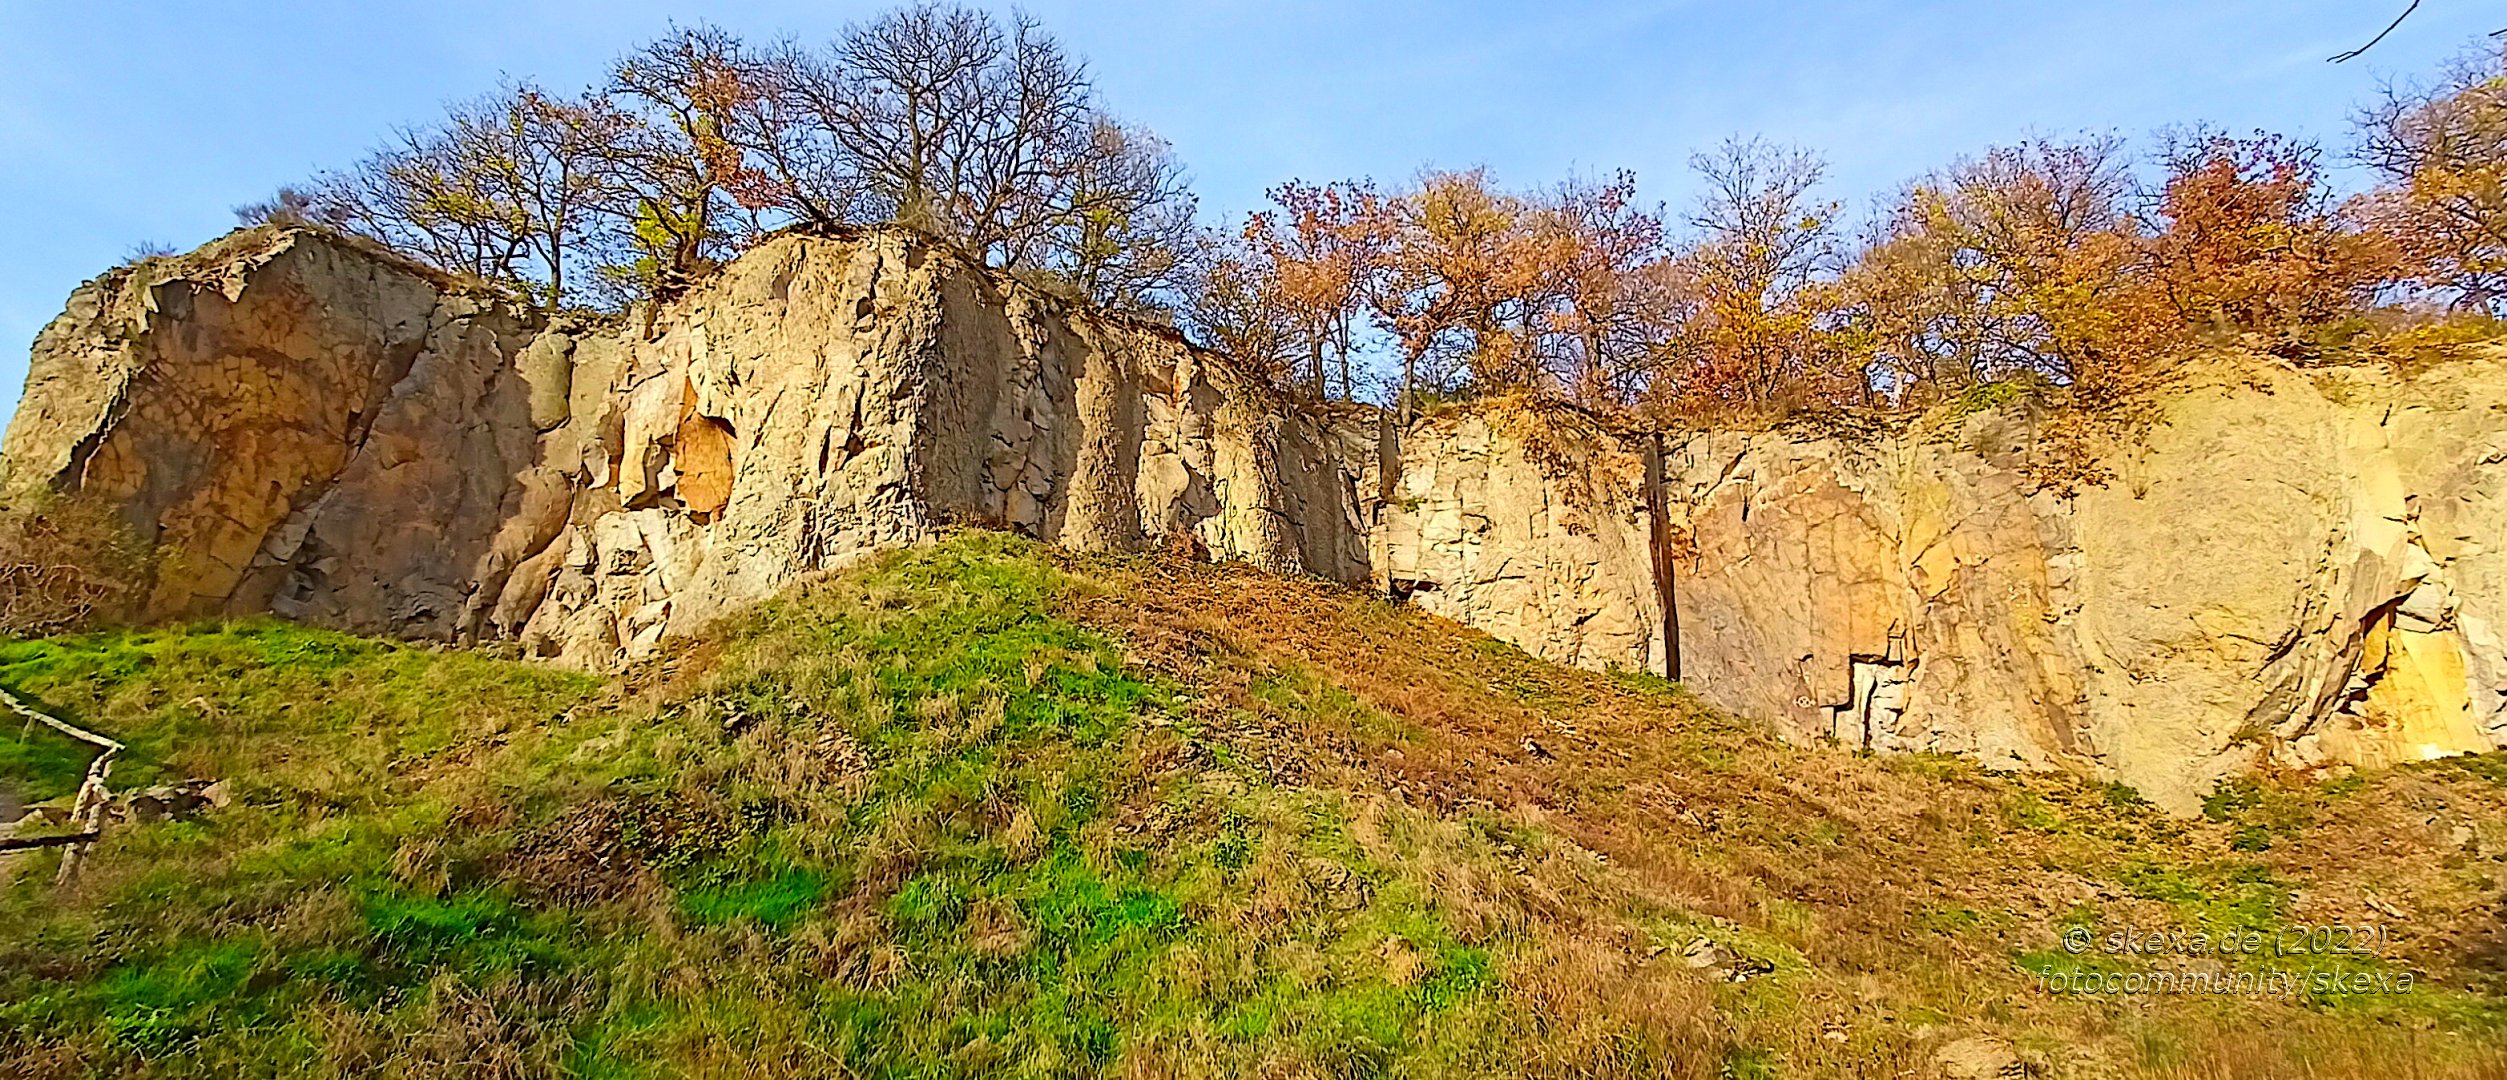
(2044, 259)
(687, 195)
(1993, 268)
(1456, 294)
(2439, 153)
(1471, 286)
(1749, 329)
(2061, 262)
(1609, 284)
(2246, 238)
(2049, 260)
(1318, 251)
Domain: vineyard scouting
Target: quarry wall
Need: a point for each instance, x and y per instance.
(2306, 566)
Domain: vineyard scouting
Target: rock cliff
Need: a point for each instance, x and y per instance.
(2308, 566)
(308, 426)
(2298, 565)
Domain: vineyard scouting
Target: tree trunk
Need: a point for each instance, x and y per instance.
(1348, 393)
(1409, 377)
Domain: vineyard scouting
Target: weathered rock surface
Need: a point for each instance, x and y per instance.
(262, 406)
(2302, 565)
(1531, 525)
(307, 426)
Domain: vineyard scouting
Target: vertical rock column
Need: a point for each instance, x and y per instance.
(1101, 507)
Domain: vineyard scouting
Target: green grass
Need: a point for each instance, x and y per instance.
(224, 940)
(917, 821)
(909, 821)
(43, 764)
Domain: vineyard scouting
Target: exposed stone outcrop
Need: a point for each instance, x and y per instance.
(267, 405)
(2299, 564)
(2306, 566)
(305, 425)
(2303, 565)
(1530, 524)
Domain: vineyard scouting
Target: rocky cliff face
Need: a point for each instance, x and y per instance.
(308, 426)
(2304, 566)
(2308, 566)
(1527, 523)
(267, 404)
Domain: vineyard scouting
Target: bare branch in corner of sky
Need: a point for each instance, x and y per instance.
(2380, 35)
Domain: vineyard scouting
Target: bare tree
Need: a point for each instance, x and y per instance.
(784, 124)
(686, 197)
(1234, 303)
(416, 195)
(1126, 221)
(959, 125)
(290, 205)
(547, 161)
(981, 131)
(505, 189)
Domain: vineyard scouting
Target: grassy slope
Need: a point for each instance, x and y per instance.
(982, 809)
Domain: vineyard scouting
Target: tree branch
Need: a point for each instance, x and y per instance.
(2380, 36)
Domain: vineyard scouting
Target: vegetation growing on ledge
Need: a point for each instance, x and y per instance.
(983, 809)
(2075, 261)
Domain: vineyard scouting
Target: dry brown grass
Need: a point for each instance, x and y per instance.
(65, 564)
(872, 831)
(1908, 888)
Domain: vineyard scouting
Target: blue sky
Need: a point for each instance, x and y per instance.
(126, 122)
